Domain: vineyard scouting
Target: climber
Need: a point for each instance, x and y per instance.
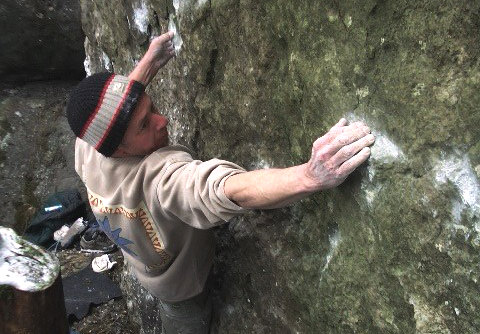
(158, 204)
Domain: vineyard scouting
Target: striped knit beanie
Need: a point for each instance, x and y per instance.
(100, 108)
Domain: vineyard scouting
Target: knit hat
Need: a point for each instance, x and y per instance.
(100, 108)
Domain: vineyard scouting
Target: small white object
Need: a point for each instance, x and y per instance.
(77, 227)
(60, 233)
(53, 208)
(102, 263)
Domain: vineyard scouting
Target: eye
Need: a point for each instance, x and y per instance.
(144, 124)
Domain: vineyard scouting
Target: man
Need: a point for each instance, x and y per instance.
(157, 203)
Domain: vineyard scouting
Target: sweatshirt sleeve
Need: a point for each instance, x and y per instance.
(193, 191)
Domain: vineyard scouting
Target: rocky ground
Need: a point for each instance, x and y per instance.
(108, 318)
(36, 148)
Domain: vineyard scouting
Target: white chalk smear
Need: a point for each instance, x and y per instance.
(384, 150)
(177, 39)
(200, 3)
(107, 64)
(261, 164)
(334, 240)
(140, 17)
(458, 170)
(176, 5)
(87, 65)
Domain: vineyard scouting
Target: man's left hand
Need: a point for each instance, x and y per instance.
(159, 52)
(161, 49)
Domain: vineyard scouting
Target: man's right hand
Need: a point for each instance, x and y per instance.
(334, 156)
(337, 154)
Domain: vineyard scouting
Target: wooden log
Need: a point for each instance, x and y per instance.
(31, 292)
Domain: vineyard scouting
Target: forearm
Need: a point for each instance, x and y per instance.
(268, 188)
(145, 70)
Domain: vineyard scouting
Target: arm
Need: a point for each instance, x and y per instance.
(193, 190)
(334, 156)
(158, 54)
(268, 188)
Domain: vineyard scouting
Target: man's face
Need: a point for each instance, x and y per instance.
(146, 132)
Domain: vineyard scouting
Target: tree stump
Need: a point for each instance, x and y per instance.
(31, 293)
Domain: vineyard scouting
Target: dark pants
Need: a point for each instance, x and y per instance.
(191, 316)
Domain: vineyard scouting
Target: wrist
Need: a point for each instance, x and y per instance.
(148, 59)
(145, 70)
(307, 183)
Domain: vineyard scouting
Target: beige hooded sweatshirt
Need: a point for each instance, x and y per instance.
(158, 209)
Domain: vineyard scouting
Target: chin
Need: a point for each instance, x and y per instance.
(162, 143)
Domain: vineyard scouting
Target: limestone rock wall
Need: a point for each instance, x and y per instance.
(395, 248)
(41, 40)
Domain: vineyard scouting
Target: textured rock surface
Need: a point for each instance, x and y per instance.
(36, 155)
(394, 249)
(25, 266)
(41, 40)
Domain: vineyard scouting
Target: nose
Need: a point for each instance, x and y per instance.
(160, 121)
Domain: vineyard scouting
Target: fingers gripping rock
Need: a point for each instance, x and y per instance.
(338, 153)
(161, 48)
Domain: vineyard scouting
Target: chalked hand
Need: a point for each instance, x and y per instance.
(334, 156)
(161, 49)
(159, 52)
(338, 153)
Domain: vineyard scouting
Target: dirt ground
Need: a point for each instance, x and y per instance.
(108, 318)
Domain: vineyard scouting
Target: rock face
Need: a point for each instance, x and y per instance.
(395, 248)
(41, 40)
(36, 149)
